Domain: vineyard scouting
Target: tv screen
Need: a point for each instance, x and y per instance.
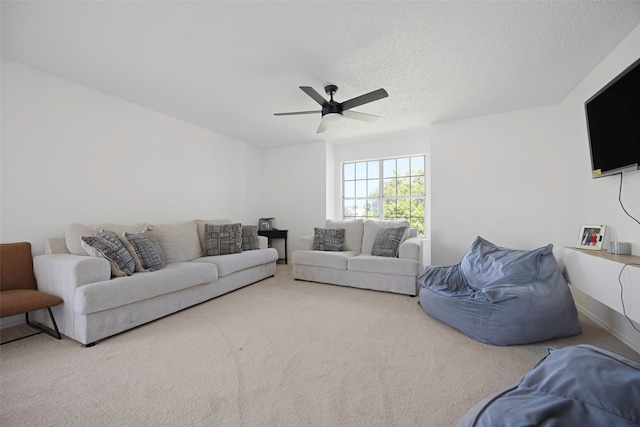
(613, 120)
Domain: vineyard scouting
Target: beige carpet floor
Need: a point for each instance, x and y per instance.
(17, 332)
(276, 353)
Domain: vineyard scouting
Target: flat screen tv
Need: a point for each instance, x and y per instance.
(613, 122)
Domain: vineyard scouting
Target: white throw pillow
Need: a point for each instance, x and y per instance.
(179, 242)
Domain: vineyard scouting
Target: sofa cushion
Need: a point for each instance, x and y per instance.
(485, 264)
(74, 232)
(337, 260)
(231, 263)
(387, 241)
(222, 239)
(145, 250)
(328, 239)
(179, 242)
(371, 228)
(200, 223)
(384, 265)
(121, 291)
(250, 239)
(353, 230)
(106, 244)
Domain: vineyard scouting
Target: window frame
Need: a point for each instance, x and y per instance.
(368, 202)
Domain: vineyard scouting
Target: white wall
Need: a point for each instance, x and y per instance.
(72, 154)
(332, 177)
(523, 179)
(499, 177)
(295, 189)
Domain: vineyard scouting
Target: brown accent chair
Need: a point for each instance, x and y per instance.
(18, 288)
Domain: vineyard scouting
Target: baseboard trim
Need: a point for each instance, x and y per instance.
(8, 322)
(634, 346)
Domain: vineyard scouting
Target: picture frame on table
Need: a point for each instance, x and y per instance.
(591, 236)
(265, 224)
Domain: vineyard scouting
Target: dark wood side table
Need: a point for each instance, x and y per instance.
(277, 234)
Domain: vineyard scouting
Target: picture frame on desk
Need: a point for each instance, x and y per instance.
(265, 224)
(591, 236)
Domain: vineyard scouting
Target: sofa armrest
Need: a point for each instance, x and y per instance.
(411, 248)
(305, 243)
(263, 242)
(61, 274)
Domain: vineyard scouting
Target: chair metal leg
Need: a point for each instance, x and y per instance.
(47, 330)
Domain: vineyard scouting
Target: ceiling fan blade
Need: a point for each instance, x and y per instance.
(297, 112)
(364, 99)
(313, 94)
(359, 116)
(323, 126)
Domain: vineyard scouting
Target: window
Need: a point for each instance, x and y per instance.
(385, 189)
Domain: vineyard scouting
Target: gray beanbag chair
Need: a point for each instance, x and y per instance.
(501, 296)
(580, 385)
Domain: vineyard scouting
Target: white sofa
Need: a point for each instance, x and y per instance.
(97, 306)
(355, 266)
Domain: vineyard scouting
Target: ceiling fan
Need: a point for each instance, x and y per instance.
(333, 111)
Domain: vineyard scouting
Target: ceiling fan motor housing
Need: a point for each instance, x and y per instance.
(332, 109)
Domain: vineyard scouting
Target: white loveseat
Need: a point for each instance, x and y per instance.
(97, 305)
(355, 266)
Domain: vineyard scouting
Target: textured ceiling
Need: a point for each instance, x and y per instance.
(228, 66)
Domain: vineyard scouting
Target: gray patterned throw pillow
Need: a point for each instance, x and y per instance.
(250, 239)
(328, 239)
(147, 253)
(107, 245)
(222, 239)
(388, 241)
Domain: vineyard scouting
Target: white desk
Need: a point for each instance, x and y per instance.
(596, 274)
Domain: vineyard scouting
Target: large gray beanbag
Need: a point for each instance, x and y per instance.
(580, 385)
(501, 296)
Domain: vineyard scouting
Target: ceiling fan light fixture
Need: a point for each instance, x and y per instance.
(332, 117)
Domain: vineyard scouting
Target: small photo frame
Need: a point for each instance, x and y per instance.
(591, 237)
(265, 224)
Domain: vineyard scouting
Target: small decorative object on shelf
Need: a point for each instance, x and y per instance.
(265, 224)
(619, 248)
(591, 237)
